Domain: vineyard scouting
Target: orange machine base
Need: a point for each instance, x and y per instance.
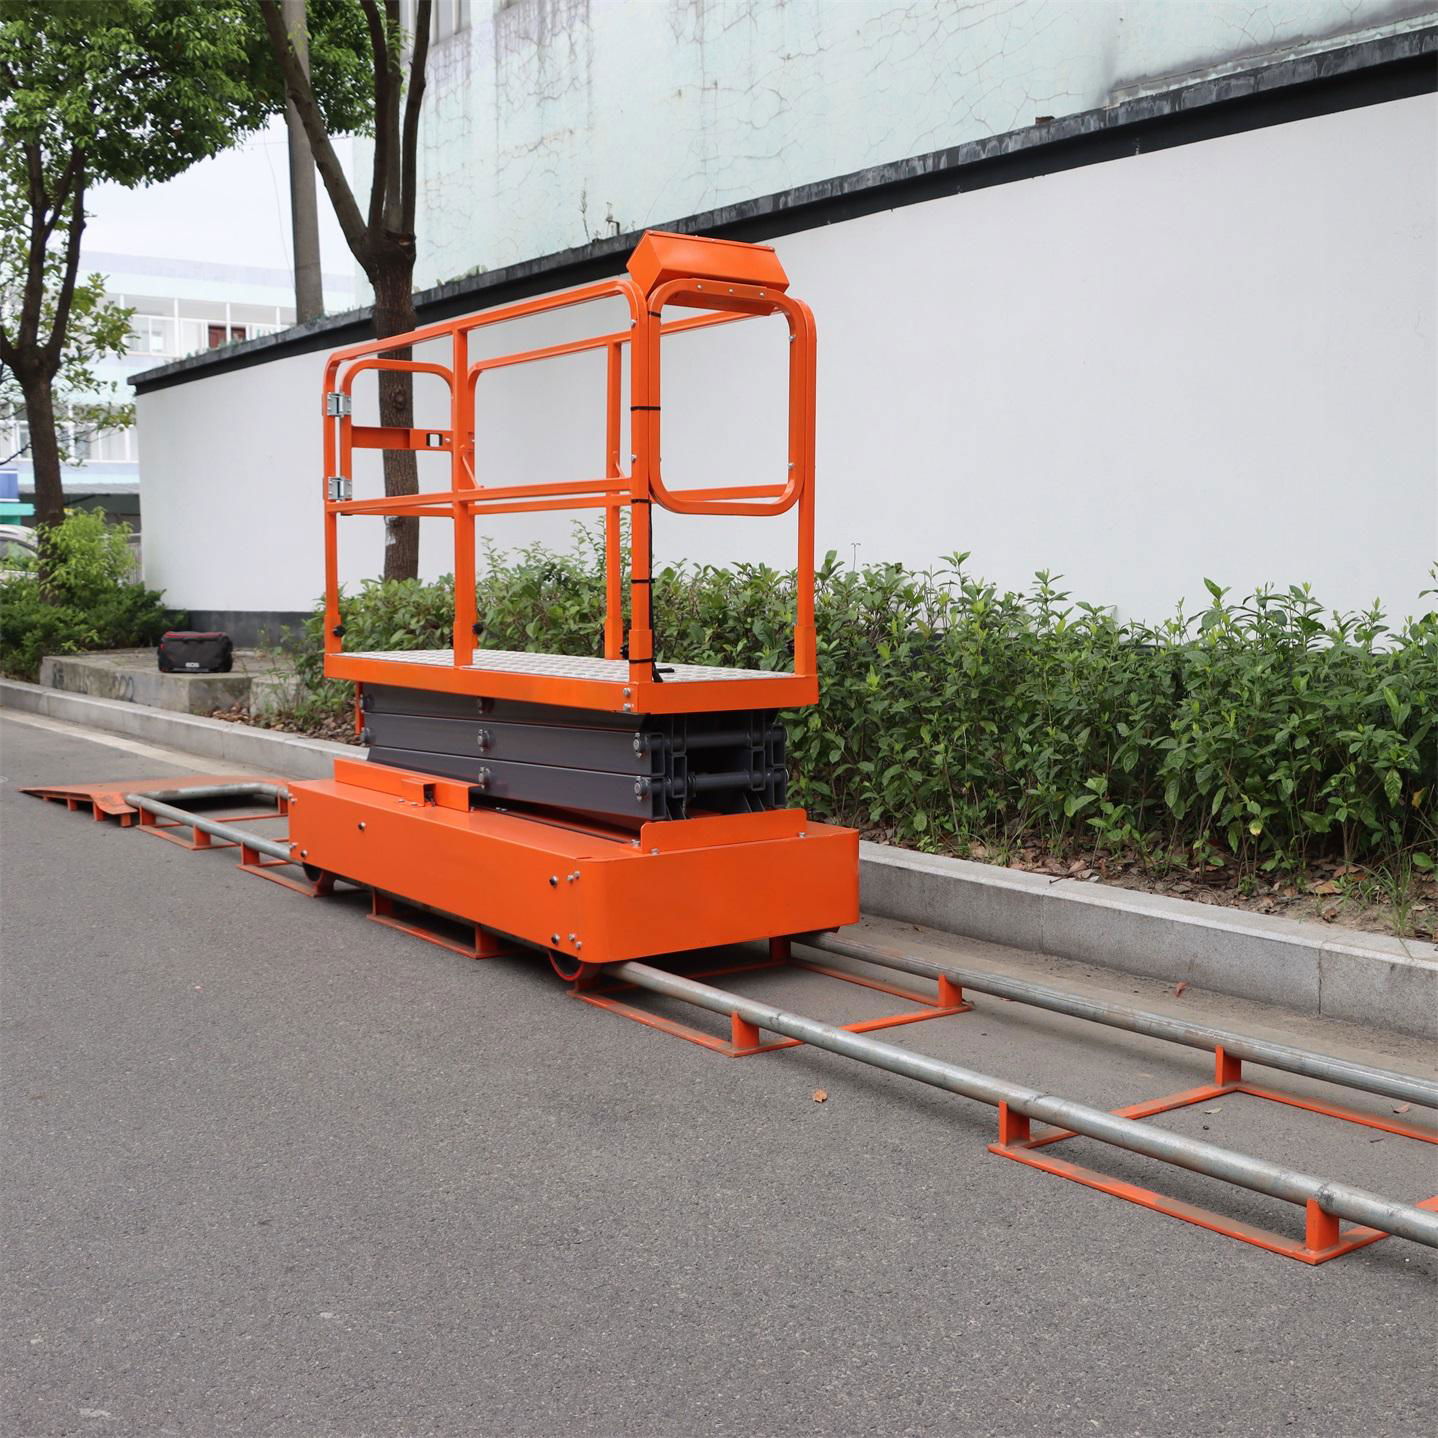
(1323, 1236)
(587, 892)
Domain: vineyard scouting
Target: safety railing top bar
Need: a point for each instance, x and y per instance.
(678, 271)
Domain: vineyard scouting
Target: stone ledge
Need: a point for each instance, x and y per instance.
(132, 676)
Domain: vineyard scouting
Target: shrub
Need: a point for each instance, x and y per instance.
(1264, 731)
(78, 596)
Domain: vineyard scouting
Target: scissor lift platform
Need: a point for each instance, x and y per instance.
(588, 683)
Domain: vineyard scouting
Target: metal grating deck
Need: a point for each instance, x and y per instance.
(560, 666)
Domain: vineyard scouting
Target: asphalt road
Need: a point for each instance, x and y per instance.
(271, 1169)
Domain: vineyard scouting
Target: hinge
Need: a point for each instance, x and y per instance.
(338, 488)
(337, 404)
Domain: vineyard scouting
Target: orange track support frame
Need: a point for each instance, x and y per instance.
(107, 800)
(387, 910)
(173, 832)
(1324, 1238)
(744, 1039)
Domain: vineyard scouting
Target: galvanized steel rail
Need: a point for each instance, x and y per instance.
(1405, 1087)
(157, 802)
(1340, 1199)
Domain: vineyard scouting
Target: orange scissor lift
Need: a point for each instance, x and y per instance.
(605, 808)
(612, 809)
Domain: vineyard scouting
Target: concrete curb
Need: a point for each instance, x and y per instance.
(1307, 968)
(1338, 974)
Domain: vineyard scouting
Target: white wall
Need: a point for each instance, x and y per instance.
(1217, 360)
(548, 122)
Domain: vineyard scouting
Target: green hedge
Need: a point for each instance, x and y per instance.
(79, 597)
(1264, 731)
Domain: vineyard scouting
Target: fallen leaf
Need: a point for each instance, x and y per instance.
(1329, 914)
(1179, 987)
(821, 1095)
(1214, 1110)
(1326, 887)
(1401, 1107)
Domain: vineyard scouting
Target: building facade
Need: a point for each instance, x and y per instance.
(182, 308)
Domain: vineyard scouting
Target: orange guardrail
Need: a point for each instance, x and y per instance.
(729, 281)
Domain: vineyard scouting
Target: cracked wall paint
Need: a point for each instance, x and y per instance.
(549, 122)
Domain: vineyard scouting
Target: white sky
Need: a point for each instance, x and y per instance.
(233, 209)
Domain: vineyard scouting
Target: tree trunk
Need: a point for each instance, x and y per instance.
(44, 446)
(394, 315)
(304, 211)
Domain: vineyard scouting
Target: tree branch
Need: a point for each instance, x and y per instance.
(34, 296)
(409, 142)
(73, 170)
(61, 322)
(384, 137)
(298, 88)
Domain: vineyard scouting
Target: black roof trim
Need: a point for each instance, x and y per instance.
(1372, 72)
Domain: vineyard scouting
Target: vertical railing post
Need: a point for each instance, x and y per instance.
(613, 556)
(332, 583)
(643, 409)
(461, 422)
(802, 363)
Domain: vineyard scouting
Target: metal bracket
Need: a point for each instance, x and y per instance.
(338, 488)
(337, 404)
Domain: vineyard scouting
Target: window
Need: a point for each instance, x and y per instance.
(446, 18)
(217, 335)
(149, 334)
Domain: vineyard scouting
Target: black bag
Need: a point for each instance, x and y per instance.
(188, 651)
